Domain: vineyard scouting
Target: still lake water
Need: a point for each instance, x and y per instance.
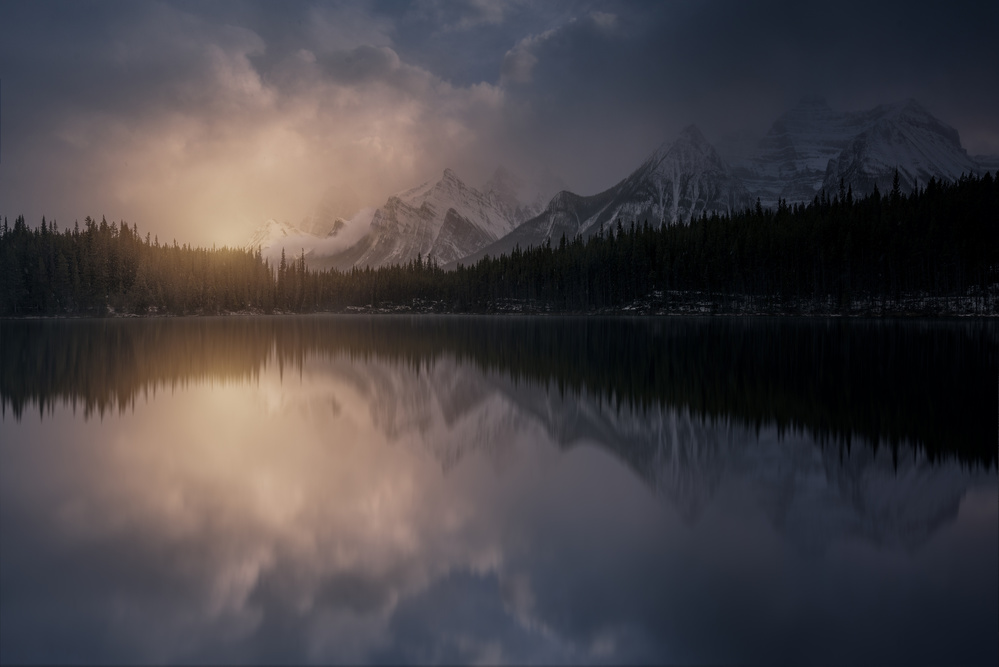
(446, 489)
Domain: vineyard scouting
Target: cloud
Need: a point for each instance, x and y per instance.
(463, 15)
(307, 516)
(200, 130)
(519, 62)
(364, 63)
(345, 27)
(201, 121)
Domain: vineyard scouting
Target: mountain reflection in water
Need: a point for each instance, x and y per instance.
(450, 489)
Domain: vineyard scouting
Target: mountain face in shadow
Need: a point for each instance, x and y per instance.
(905, 137)
(808, 149)
(813, 147)
(681, 180)
(440, 221)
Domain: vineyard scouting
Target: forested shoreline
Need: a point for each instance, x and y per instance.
(932, 251)
(886, 381)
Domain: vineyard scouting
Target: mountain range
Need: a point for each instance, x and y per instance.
(808, 149)
(816, 496)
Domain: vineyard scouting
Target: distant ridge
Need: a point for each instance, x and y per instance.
(680, 180)
(808, 149)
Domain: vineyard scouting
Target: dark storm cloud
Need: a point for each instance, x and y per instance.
(190, 117)
(731, 66)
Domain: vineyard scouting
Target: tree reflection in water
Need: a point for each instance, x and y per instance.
(460, 489)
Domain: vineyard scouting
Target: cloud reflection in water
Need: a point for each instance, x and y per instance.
(357, 506)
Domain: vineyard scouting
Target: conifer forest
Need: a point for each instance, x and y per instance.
(880, 253)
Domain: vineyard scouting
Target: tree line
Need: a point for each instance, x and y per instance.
(940, 240)
(882, 381)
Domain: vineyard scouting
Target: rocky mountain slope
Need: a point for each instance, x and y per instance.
(680, 180)
(814, 495)
(903, 136)
(809, 148)
(441, 221)
(812, 147)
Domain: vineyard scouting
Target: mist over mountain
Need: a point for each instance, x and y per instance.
(905, 137)
(809, 149)
(519, 197)
(812, 146)
(680, 180)
(440, 221)
(338, 205)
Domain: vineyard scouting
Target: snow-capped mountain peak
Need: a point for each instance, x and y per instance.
(902, 136)
(811, 147)
(692, 136)
(682, 179)
(271, 232)
(441, 220)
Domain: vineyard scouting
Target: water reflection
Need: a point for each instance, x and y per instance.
(926, 383)
(492, 490)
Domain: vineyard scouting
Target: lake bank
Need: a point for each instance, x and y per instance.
(655, 305)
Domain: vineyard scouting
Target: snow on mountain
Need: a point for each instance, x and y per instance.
(814, 495)
(270, 232)
(905, 137)
(808, 148)
(790, 161)
(811, 147)
(442, 221)
(679, 181)
(273, 237)
(565, 215)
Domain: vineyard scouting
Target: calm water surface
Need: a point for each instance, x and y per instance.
(461, 490)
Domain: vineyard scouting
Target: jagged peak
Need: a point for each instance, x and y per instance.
(911, 112)
(338, 225)
(911, 108)
(689, 136)
(692, 134)
(562, 199)
(449, 175)
(270, 231)
(907, 108)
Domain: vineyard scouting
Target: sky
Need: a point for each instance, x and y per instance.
(337, 491)
(199, 121)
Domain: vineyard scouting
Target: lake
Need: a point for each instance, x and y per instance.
(358, 489)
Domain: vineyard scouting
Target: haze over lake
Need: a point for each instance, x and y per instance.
(352, 489)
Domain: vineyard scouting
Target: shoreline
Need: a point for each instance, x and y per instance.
(657, 304)
(528, 312)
